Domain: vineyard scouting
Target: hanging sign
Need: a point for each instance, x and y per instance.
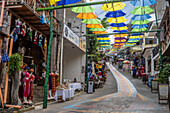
(82, 45)
(70, 35)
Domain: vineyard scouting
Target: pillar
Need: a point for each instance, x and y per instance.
(146, 65)
(152, 64)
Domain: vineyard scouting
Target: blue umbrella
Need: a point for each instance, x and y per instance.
(143, 2)
(141, 17)
(136, 39)
(136, 34)
(118, 24)
(140, 26)
(103, 36)
(65, 2)
(121, 31)
(115, 14)
(104, 41)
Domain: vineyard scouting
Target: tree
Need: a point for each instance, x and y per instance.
(15, 63)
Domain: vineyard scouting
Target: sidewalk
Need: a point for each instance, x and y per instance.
(142, 88)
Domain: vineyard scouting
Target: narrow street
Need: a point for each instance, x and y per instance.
(126, 99)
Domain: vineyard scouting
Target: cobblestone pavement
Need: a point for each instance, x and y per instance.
(126, 100)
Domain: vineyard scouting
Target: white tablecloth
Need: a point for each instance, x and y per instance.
(76, 86)
(66, 94)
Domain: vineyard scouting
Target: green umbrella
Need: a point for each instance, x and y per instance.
(140, 22)
(97, 29)
(142, 10)
(85, 9)
(91, 21)
(139, 30)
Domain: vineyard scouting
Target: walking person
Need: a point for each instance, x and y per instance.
(134, 72)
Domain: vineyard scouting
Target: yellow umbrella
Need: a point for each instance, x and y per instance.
(131, 37)
(117, 20)
(52, 2)
(113, 6)
(99, 32)
(87, 15)
(119, 28)
(121, 35)
(94, 25)
(120, 40)
(103, 38)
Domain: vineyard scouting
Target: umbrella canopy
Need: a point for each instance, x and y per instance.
(121, 31)
(121, 35)
(134, 37)
(136, 34)
(140, 26)
(65, 2)
(115, 14)
(117, 20)
(87, 16)
(141, 17)
(120, 38)
(139, 30)
(104, 41)
(97, 29)
(84, 9)
(121, 59)
(52, 2)
(126, 62)
(119, 42)
(113, 6)
(99, 32)
(91, 21)
(142, 10)
(119, 28)
(94, 25)
(143, 2)
(118, 24)
(140, 22)
(103, 38)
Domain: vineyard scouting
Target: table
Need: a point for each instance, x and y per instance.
(65, 93)
(76, 86)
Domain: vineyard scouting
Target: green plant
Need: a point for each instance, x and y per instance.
(15, 63)
(165, 73)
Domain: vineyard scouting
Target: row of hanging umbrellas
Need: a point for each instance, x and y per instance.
(116, 19)
(86, 13)
(140, 19)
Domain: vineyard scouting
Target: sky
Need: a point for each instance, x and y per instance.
(127, 9)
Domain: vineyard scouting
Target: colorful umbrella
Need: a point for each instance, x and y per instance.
(52, 2)
(113, 6)
(118, 24)
(126, 62)
(136, 34)
(84, 9)
(65, 2)
(121, 31)
(141, 17)
(133, 37)
(142, 10)
(91, 21)
(103, 38)
(87, 16)
(115, 14)
(121, 59)
(117, 20)
(94, 25)
(140, 26)
(99, 32)
(97, 29)
(139, 30)
(104, 41)
(140, 22)
(119, 28)
(143, 2)
(121, 35)
(120, 38)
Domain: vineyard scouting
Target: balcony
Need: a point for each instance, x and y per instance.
(25, 10)
(165, 35)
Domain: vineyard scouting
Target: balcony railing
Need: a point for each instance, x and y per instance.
(33, 5)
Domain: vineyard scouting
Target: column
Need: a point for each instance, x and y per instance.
(146, 65)
(152, 64)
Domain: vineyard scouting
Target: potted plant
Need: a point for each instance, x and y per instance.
(163, 80)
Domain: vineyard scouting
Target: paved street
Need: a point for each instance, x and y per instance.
(126, 99)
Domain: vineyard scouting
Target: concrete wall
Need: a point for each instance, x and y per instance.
(73, 61)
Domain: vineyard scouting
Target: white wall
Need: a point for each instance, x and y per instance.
(74, 59)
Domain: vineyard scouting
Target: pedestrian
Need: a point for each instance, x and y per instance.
(134, 72)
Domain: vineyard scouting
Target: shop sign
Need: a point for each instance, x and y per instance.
(82, 45)
(70, 35)
(163, 92)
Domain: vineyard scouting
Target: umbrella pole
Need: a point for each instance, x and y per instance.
(48, 61)
(159, 40)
